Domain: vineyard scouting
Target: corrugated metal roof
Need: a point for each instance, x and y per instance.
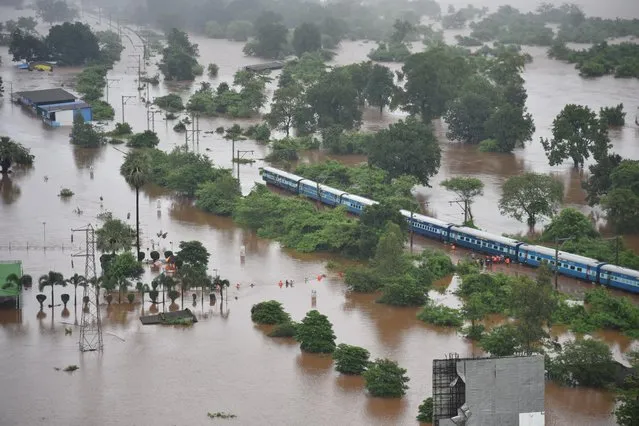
(65, 106)
(47, 95)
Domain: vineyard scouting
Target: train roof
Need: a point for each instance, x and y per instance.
(484, 235)
(329, 189)
(620, 270)
(365, 201)
(425, 218)
(283, 173)
(562, 254)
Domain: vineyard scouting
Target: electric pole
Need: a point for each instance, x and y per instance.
(150, 119)
(125, 98)
(90, 325)
(108, 84)
(240, 154)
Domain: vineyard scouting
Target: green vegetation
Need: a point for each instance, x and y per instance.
(66, 193)
(315, 333)
(258, 132)
(613, 116)
(12, 154)
(620, 60)
(585, 362)
(501, 341)
(307, 37)
(440, 315)
(170, 102)
(284, 329)
(396, 50)
(576, 133)
(212, 70)
(84, 134)
(350, 359)
(229, 101)
(182, 171)
(270, 37)
(146, 139)
(219, 196)
(121, 129)
(365, 181)
(621, 202)
(530, 196)
(270, 312)
(179, 57)
(114, 235)
(425, 414)
(627, 410)
(102, 111)
(386, 379)
(466, 189)
(509, 26)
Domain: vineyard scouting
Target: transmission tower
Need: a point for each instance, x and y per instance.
(90, 325)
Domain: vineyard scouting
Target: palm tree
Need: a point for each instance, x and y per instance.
(51, 279)
(136, 169)
(76, 280)
(13, 281)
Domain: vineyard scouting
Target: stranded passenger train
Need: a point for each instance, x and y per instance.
(572, 265)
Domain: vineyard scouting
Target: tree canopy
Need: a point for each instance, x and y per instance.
(306, 38)
(406, 148)
(315, 333)
(11, 153)
(577, 132)
(530, 196)
(467, 189)
(114, 235)
(179, 57)
(385, 378)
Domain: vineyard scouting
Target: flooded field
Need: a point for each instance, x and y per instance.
(174, 375)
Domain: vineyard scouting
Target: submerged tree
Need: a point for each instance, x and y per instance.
(531, 195)
(51, 279)
(386, 379)
(466, 188)
(76, 280)
(576, 132)
(12, 153)
(315, 333)
(350, 359)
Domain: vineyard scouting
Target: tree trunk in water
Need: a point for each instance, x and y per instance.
(75, 296)
(137, 222)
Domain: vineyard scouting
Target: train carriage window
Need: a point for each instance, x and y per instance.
(572, 267)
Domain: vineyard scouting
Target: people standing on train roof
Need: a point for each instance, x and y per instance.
(286, 283)
(281, 284)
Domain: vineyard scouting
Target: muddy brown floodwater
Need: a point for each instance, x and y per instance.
(175, 375)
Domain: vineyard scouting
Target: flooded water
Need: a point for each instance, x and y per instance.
(174, 375)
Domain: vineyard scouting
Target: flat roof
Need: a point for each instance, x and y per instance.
(64, 106)
(276, 65)
(47, 95)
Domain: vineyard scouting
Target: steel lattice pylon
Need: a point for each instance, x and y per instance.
(90, 325)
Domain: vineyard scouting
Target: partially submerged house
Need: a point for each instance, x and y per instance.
(505, 391)
(56, 107)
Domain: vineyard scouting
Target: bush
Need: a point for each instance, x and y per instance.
(285, 329)
(65, 193)
(102, 110)
(613, 116)
(403, 291)
(474, 333)
(361, 279)
(212, 70)
(170, 102)
(489, 145)
(501, 341)
(350, 359)
(425, 414)
(121, 129)
(270, 312)
(219, 196)
(130, 297)
(438, 263)
(259, 132)
(179, 127)
(584, 362)
(440, 315)
(385, 378)
(315, 333)
(146, 139)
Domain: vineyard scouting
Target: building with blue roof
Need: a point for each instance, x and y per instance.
(56, 107)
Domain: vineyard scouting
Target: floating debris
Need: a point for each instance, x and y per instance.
(71, 368)
(222, 415)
